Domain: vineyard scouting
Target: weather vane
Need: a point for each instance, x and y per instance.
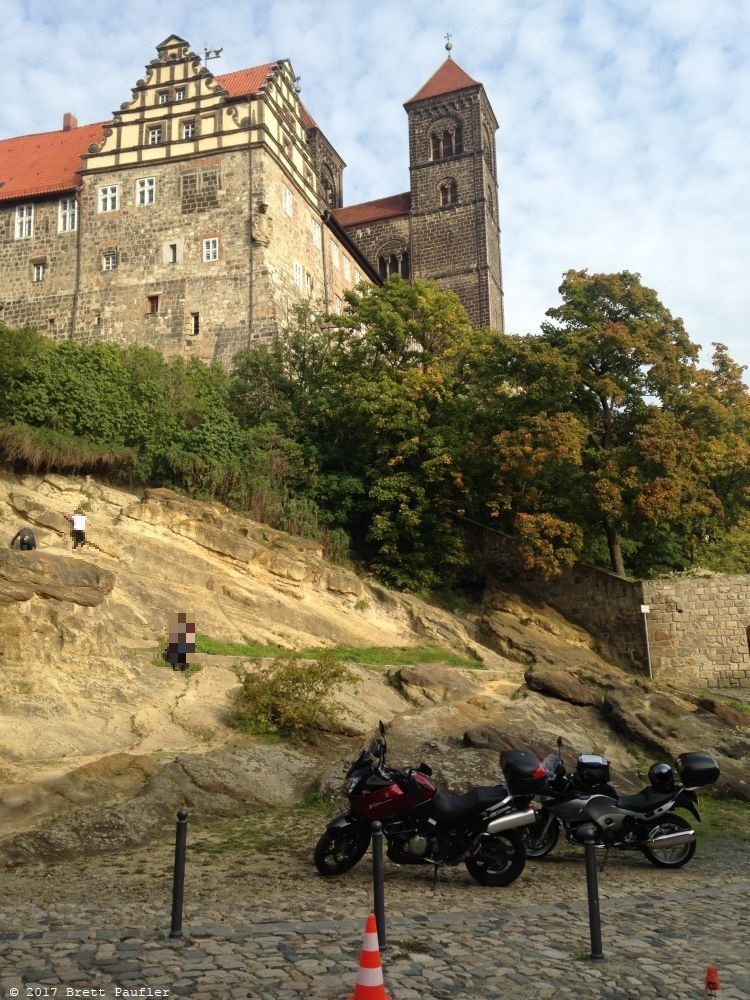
(448, 45)
(212, 54)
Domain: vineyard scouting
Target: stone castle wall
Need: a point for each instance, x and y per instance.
(698, 628)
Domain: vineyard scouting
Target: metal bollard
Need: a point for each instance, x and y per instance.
(377, 882)
(592, 888)
(178, 883)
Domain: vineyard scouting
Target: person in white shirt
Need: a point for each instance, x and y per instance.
(78, 523)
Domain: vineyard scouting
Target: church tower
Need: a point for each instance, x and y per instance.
(455, 228)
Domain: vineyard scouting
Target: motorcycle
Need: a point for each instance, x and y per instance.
(421, 824)
(587, 807)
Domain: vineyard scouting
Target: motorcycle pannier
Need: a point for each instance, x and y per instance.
(523, 771)
(697, 769)
(593, 769)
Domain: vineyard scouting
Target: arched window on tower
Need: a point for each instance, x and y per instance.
(490, 202)
(489, 148)
(393, 262)
(446, 142)
(448, 193)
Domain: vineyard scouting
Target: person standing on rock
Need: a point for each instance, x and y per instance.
(25, 538)
(78, 527)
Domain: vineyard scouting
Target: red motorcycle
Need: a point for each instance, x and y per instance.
(422, 825)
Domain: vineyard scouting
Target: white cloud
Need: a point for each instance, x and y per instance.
(623, 139)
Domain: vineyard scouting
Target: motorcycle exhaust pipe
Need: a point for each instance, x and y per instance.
(672, 839)
(511, 821)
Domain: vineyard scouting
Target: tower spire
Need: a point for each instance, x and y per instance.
(448, 44)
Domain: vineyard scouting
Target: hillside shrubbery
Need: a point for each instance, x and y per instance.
(392, 427)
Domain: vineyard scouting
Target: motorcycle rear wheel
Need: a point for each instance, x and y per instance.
(340, 849)
(541, 836)
(499, 861)
(669, 857)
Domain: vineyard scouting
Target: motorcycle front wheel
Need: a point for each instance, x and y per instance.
(341, 848)
(541, 836)
(669, 857)
(499, 859)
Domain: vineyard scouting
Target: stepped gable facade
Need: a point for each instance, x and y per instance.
(210, 205)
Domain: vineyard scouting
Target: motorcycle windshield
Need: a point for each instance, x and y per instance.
(551, 763)
(369, 752)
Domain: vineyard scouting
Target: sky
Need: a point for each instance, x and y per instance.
(624, 140)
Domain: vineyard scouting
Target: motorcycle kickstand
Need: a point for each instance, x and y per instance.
(604, 862)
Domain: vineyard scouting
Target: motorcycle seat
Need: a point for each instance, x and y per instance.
(644, 801)
(456, 807)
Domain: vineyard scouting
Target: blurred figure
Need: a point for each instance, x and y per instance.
(180, 651)
(78, 527)
(26, 539)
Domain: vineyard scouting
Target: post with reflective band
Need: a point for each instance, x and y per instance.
(378, 889)
(592, 887)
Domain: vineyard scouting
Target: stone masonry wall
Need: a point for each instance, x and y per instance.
(698, 627)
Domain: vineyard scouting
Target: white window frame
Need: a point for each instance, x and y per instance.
(317, 234)
(299, 275)
(334, 255)
(39, 271)
(109, 198)
(24, 221)
(357, 277)
(67, 215)
(155, 135)
(145, 191)
(109, 260)
(347, 269)
(211, 250)
(287, 201)
(179, 94)
(162, 97)
(308, 284)
(189, 129)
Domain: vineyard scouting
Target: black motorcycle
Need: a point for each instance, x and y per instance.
(587, 807)
(421, 824)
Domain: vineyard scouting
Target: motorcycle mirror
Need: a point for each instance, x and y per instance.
(425, 769)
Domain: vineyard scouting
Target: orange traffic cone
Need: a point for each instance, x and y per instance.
(712, 981)
(369, 985)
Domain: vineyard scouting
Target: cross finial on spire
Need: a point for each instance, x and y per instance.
(448, 45)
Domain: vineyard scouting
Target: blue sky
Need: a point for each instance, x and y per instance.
(624, 126)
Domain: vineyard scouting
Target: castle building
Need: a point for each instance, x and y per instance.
(209, 206)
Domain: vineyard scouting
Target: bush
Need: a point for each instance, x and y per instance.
(291, 697)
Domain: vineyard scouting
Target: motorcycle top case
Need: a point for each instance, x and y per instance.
(523, 772)
(592, 769)
(697, 769)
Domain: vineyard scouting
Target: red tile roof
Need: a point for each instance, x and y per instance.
(45, 163)
(374, 211)
(447, 79)
(245, 81)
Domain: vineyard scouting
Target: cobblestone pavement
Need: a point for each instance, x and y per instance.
(271, 928)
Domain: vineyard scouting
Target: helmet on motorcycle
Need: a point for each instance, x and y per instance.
(661, 777)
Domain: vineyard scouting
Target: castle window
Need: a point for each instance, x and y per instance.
(67, 215)
(188, 130)
(145, 191)
(179, 95)
(172, 253)
(155, 134)
(490, 202)
(328, 188)
(286, 200)
(317, 234)
(298, 275)
(195, 324)
(109, 260)
(286, 143)
(308, 283)
(339, 305)
(357, 277)
(162, 97)
(448, 193)
(347, 269)
(334, 256)
(211, 250)
(153, 305)
(109, 198)
(39, 271)
(24, 221)
(446, 142)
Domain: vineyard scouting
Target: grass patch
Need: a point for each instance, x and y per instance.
(723, 818)
(371, 656)
(302, 823)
